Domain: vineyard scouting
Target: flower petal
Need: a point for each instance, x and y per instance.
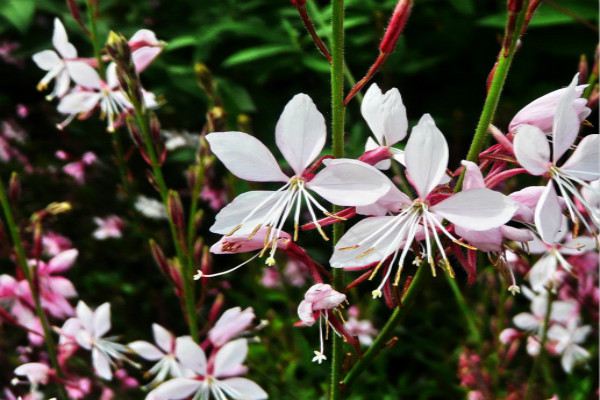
(426, 156)
(190, 354)
(542, 272)
(85, 316)
(526, 322)
(393, 201)
(84, 75)
(230, 357)
(46, 59)
(566, 122)
(101, 364)
(584, 163)
(346, 182)
(548, 215)
(243, 389)
(532, 149)
(473, 177)
(60, 41)
(477, 209)
(78, 102)
(300, 132)
(175, 389)
(146, 350)
(62, 261)
(245, 156)
(385, 114)
(102, 320)
(163, 338)
(144, 56)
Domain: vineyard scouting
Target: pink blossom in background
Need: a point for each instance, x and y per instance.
(108, 227)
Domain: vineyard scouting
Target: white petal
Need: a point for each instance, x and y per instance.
(548, 215)
(46, 59)
(230, 357)
(85, 316)
(163, 338)
(245, 156)
(84, 74)
(477, 209)
(102, 320)
(243, 389)
(232, 215)
(473, 177)
(346, 254)
(300, 132)
(62, 83)
(144, 56)
(111, 76)
(146, 350)
(526, 322)
(175, 389)
(542, 272)
(532, 149)
(572, 356)
(78, 102)
(385, 114)
(426, 156)
(565, 311)
(61, 41)
(190, 354)
(566, 123)
(348, 182)
(393, 201)
(584, 163)
(63, 260)
(101, 364)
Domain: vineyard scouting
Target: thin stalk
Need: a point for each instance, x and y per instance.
(33, 287)
(337, 132)
(387, 330)
(91, 14)
(462, 304)
(120, 161)
(191, 232)
(592, 80)
(505, 59)
(142, 120)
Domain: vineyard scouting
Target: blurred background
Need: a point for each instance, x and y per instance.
(260, 56)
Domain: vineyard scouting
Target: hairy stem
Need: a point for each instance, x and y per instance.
(33, 287)
(533, 377)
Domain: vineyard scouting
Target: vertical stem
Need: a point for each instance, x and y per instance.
(337, 132)
(474, 333)
(91, 14)
(24, 266)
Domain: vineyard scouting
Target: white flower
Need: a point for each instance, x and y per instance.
(561, 312)
(218, 379)
(150, 208)
(568, 338)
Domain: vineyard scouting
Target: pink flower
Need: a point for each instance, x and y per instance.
(56, 290)
(55, 243)
(36, 373)
(233, 323)
(108, 227)
(363, 329)
(216, 377)
(145, 47)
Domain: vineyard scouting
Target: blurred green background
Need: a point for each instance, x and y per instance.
(260, 56)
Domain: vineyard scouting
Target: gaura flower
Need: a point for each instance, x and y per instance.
(567, 343)
(300, 135)
(363, 329)
(216, 377)
(150, 208)
(532, 150)
(164, 354)
(108, 227)
(374, 239)
(145, 47)
(533, 322)
(231, 324)
(60, 64)
(386, 116)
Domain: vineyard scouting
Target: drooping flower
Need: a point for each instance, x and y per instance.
(163, 353)
(532, 150)
(374, 239)
(108, 227)
(567, 343)
(300, 135)
(216, 378)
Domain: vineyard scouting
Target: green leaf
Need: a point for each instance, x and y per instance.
(181, 41)
(256, 53)
(18, 12)
(466, 7)
(547, 16)
(318, 64)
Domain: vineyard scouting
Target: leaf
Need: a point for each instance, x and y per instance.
(18, 12)
(547, 16)
(181, 41)
(466, 7)
(236, 95)
(318, 64)
(256, 53)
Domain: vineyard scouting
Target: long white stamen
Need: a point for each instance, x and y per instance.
(312, 215)
(262, 203)
(200, 275)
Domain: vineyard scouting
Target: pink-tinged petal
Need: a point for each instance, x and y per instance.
(230, 357)
(60, 41)
(46, 60)
(243, 389)
(144, 56)
(190, 354)
(473, 177)
(62, 286)
(232, 215)
(426, 156)
(346, 182)
(300, 132)
(36, 373)
(527, 200)
(548, 215)
(62, 261)
(84, 75)
(584, 163)
(566, 122)
(163, 338)
(245, 156)
(532, 149)
(101, 364)
(175, 389)
(146, 350)
(85, 316)
(578, 245)
(243, 243)
(385, 114)
(542, 272)
(306, 313)
(516, 234)
(324, 297)
(477, 209)
(102, 320)
(372, 145)
(231, 324)
(393, 201)
(526, 322)
(348, 254)
(488, 240)
(78, 102)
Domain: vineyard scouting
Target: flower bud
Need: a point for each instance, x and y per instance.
(175, 210)
(56, 208)
(244, 123)
(159, 256)
(14, 188)
(583, 69)
(74, 9)
(395, 26)
(204, 79)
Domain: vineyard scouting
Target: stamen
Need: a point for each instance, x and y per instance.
(199, 274)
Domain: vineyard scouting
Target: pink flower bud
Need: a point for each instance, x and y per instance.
(395, 26)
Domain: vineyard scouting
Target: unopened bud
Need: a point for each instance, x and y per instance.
(198, 249)
(204, 79)
(74, 9)
(175, 210)
(56, 208)
(395, 26)
(216, 119)
(215, 309)
(244, 123)
(14, 187)
(159, 256)
(514, 6)
(583, 69)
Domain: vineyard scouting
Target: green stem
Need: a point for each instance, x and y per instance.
(120, 161)
(474, 333)
(505, 59)
(33, 287)
(198, 171)
(592, 80)
(387, 330)
(531, 382)
(91, 14)
(337, 132)
(142, 119)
